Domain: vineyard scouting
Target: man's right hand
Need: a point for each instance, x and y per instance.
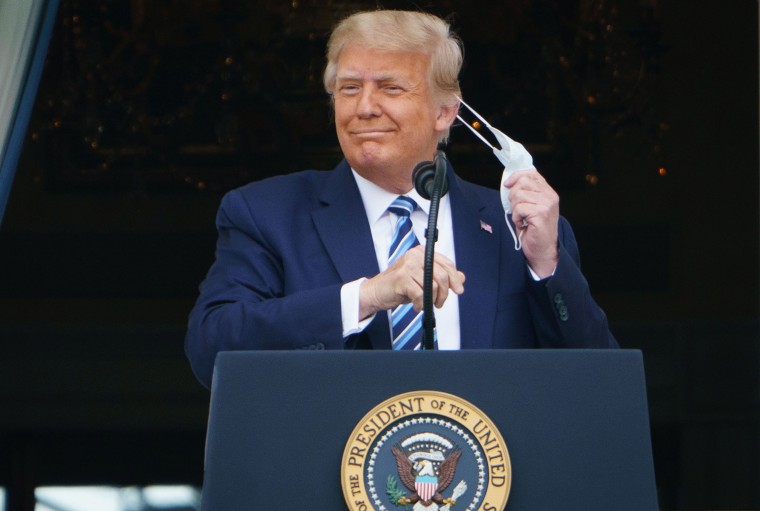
(402, 283)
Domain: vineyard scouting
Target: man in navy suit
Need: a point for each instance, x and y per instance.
(302, 259)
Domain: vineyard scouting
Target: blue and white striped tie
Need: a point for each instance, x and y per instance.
(406, 322)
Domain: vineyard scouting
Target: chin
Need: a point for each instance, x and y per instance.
(372, 156)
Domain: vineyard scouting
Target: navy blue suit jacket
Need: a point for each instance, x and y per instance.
(287, 244)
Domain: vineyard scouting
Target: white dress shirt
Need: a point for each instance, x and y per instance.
(382, 224)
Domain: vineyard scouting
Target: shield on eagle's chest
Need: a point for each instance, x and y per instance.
(426, 487)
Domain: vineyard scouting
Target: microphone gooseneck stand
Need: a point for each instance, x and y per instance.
(430, 185)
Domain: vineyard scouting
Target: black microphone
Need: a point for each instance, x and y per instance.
(424, 172)
(430, 182)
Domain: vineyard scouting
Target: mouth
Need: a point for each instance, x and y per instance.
(370, 132)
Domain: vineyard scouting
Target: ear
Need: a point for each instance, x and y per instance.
(446, 116)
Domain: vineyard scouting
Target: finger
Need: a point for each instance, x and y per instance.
(456, 277)
(440, 263)
(534, 194)
(529, 193)
(418, 299)
(440, 289)
(520, 215)
(445, 280)
(534, 200)
(519, 175)
(456, 281)
(445, 277)
(440, 285)
(535, 209)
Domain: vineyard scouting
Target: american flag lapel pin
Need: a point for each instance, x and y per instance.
(486, 227)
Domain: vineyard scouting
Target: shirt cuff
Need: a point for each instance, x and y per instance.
(349, 308)
(535, 275)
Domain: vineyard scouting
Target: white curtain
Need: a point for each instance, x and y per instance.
(18, 34)
(25, 30)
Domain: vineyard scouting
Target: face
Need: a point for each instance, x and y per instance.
(385, 116)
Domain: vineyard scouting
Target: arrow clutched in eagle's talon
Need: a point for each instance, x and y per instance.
(458, 492)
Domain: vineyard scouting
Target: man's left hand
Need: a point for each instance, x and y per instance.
(535, 213)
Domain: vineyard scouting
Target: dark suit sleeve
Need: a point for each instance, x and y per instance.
(564, 313)
(245, 302)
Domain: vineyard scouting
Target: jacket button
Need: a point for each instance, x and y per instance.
(559, 304)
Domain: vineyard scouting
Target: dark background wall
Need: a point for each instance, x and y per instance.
(148, 113)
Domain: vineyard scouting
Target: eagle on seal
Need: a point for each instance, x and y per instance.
(421, 479)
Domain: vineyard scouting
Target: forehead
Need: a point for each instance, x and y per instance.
(358, 62)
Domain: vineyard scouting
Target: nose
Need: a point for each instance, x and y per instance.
(368, 105)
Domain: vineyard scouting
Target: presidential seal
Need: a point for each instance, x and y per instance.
(425, 451)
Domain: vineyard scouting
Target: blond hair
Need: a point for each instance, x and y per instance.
(401, 31)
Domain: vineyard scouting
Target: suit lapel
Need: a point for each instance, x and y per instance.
(477, 255)
(341, 223)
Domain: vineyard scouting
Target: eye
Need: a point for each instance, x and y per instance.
(348, 88)
(393, 89)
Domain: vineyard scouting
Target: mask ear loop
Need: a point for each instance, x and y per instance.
(476, 114)
(516, 237)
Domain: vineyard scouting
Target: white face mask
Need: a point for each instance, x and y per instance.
(511, 154)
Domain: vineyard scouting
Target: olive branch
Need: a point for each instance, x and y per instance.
(394, 492)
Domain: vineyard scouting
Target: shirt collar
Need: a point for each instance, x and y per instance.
(376, 199)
